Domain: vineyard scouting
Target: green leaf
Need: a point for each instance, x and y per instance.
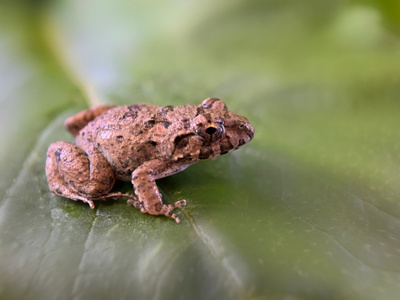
(308, 210)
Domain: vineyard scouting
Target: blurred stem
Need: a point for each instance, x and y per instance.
(59, 48)
(390, 10)
(36, 32)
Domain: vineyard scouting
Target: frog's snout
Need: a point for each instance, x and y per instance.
(249, 130)
(246, 133)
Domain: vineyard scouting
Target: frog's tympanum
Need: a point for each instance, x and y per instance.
(140, 143)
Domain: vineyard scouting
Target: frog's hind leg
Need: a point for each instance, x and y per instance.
(76, 122)
(77, 174)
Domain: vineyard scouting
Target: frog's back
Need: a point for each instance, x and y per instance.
(128, 136)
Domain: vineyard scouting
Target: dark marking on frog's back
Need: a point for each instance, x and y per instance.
(167, 124)
(149, 124)
(185, 123)
(130, 114)
(135, 107)
(199, 110)
(167, 108)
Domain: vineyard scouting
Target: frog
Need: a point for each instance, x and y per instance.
(140, 143)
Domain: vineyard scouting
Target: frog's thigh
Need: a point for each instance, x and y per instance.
(74, 174)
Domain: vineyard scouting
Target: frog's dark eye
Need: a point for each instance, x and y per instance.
(210, 132)
(214, 132)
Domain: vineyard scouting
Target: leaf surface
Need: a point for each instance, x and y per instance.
(308, 210)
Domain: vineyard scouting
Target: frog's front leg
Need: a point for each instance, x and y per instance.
(143, 180)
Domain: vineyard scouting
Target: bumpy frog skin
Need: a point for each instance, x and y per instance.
(140, 143)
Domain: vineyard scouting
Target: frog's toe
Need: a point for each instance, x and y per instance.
(180, 203)
(135, 203)
(170, 207)
(175, 217)
(91, 203)
(88, 201)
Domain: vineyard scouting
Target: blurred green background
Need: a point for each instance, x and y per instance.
(308, 210)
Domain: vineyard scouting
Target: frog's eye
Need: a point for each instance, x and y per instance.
(210, 132)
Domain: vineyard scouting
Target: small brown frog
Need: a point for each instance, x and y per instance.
(140, 143)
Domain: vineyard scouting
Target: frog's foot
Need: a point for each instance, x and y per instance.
(164, 209)
(167, 209)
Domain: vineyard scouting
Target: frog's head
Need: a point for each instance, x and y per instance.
(221, 130)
